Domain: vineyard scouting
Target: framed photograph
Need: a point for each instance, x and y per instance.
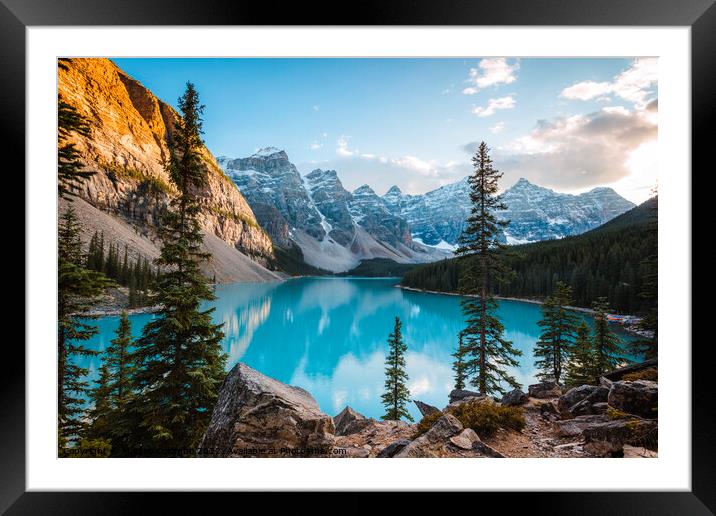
(274, 252)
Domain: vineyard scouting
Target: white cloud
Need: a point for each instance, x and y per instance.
(581, 151)
(315, 145)
(495, 104)
(497, 128)
(491, 72)
(635, 84)
(342, 149)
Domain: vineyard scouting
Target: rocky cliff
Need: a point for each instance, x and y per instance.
(126, 148)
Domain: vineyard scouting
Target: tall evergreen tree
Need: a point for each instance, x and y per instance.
(396, 396)
(649, 346)
(488, 352)
(179, 356)
(606, 344)
(559, 325)
(459, 365)
(77, 289)
(580, 365)
(109, 418)
(70, 171)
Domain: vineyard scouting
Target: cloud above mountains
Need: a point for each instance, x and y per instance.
(579, 151)
(491, 72)
(634, 84)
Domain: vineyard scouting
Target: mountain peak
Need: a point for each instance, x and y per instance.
(393, 190)
(363, 190)
(523, 182)
(267, 151)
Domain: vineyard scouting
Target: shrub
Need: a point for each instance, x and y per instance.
(645, 374)
(614, 414)
(486, 418)
(427, 423)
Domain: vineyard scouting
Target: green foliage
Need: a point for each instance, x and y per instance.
(485, 417)
(459, 366)
(649, 346)
(606, 345)
(559, 325)
(179, 359)
(291, 262)
(580, 366)
(137, 275)
(609, 261)
(487, 353)
(379, 268)
(108, 418)
(396, 396)
(427, 423)
(77, 289)
(645, 374)
(70, 173)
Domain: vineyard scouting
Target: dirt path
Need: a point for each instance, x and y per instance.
(538, 439)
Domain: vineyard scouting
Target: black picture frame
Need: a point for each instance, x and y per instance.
(700, 15)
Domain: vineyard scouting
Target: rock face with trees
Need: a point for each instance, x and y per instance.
(122, 147)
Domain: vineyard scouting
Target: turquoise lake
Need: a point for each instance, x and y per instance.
(329, 336)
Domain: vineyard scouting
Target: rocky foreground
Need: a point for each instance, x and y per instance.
(257, 416)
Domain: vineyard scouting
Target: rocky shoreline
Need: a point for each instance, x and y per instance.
(257, 416)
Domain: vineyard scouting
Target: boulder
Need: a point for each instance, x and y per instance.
(425, 409)
(586, 406)
(258, 416)
(545, 389)
(513, 398)
(639, 397)
(447, 438)
(600, 408)
(376, 436)
(548, 410)
(461, 394)
(573, 427)
(608, 439)
(574, 396)
(605, 382)
(393, 448)
(350, 422)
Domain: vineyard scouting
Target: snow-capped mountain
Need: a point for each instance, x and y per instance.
(334, 228)
(437, 218)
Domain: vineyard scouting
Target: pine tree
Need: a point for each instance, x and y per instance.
(580, 365)
(606, 344)
(77, 289)
(558, 325)
(649, 346)
(459, 365)
(480, 246)
(69, 166)
(396, 396)
(179, 356)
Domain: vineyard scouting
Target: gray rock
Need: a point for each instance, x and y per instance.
(548, 410)
(513, 398)
(461, 394)
(258, 416)
(545, 389)
(425, 409)
(600, 408)
(638, 452)
(393, 448)
(574, 396)
(609, 438)
(605, 382)
(639, 397)
(433, 442)
(350, 422)
(573, 427)
(618, 374)
(465, 439)
(586, 406)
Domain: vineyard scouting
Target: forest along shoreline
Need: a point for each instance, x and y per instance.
(630, 328)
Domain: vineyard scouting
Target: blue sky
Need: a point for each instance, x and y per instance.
(568, 124)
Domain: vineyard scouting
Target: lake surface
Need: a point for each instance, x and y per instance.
(329, 336)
